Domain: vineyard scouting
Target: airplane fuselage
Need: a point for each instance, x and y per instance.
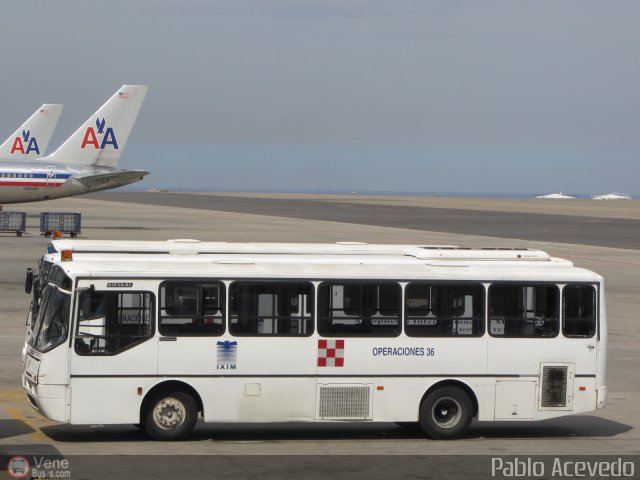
(34, 181)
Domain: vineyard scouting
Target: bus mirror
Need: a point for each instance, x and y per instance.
(28, 283)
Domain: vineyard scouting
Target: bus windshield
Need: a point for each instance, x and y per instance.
(51, 325)
(39, 282)
(41, 279)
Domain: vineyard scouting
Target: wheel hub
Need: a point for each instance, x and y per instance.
(446, 412)
(169, 413)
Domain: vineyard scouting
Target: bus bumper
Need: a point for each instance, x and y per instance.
(602, 397)
(48, 400)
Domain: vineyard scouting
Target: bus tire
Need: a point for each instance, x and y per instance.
(446, 413)
(171, 416)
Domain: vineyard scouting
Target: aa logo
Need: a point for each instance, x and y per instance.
(25, 144)
(100, 136)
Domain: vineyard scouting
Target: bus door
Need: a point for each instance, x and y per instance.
(112, 348)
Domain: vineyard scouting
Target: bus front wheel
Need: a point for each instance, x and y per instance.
(446, 413)
(171, 416)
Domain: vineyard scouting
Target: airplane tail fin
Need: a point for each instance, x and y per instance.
(32, 138)
(101, 140)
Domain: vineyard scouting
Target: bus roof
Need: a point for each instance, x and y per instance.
(195, 247)
(313, 266)
(186, 245)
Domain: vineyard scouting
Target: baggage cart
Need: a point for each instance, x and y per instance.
(13, 222)
(63, 222)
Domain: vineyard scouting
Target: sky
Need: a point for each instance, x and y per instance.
(402, 96)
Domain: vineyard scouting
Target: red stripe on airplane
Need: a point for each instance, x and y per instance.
(28, 184)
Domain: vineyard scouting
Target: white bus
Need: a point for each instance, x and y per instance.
(316, 333)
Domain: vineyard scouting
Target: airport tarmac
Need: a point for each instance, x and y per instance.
(531, 219)
(606, 246)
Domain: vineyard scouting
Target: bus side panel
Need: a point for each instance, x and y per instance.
(106, 400)
(523, 356)
(257, 399)
(399, 399)
(417, 356)
(253, 379)
(396, 371)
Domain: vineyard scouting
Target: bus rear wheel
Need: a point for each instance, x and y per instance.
(446, 413)
(171, 416)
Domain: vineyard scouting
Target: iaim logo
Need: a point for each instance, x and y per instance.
(25, 144)
(106, 135)
(227, 354)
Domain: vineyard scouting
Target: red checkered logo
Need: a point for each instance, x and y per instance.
(331, 353)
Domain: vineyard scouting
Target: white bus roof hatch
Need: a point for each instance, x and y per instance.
(466, 253)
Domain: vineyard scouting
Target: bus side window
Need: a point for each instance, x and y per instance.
(350, 296)
(359, 309)
(191, 308)
(270, 308)
(110, 321)
(442, 310)
(517, 310)
(179, 299)
(579, 311)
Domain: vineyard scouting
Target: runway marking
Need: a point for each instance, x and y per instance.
(26, 415)
(35, 423)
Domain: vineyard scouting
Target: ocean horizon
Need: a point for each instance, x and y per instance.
(516, 195)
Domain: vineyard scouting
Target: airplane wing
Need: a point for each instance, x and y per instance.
(103, 181)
